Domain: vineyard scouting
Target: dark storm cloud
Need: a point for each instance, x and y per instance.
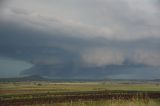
(61, 56)
(23, 43)
(104, 38)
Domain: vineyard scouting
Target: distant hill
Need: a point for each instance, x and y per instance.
(157, 80)
(40, 78)
(21, 79)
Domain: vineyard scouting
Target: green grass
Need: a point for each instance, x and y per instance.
(44, 87)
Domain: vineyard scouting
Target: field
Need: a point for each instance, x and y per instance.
(79, 94)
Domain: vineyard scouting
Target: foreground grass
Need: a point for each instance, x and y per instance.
(107, 103)
(83, 94)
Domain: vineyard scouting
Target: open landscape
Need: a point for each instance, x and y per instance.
(100, 93)
(79, 52)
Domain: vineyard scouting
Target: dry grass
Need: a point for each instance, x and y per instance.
(107, 103)
(42, 92)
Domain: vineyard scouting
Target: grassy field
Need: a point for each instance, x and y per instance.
(44, 87)
(79, 94)
(106, 103)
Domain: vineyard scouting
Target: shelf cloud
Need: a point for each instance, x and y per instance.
(82, 38)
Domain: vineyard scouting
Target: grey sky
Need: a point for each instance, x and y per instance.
(69, 38)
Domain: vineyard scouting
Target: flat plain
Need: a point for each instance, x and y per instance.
(101, 93)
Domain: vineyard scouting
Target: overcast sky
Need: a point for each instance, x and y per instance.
(80, 38)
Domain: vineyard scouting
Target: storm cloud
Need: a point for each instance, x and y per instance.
(82, 38)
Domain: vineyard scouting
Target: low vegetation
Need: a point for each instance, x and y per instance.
(106, 103)
(79, 94)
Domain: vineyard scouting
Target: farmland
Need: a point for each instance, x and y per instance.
(79, 93)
